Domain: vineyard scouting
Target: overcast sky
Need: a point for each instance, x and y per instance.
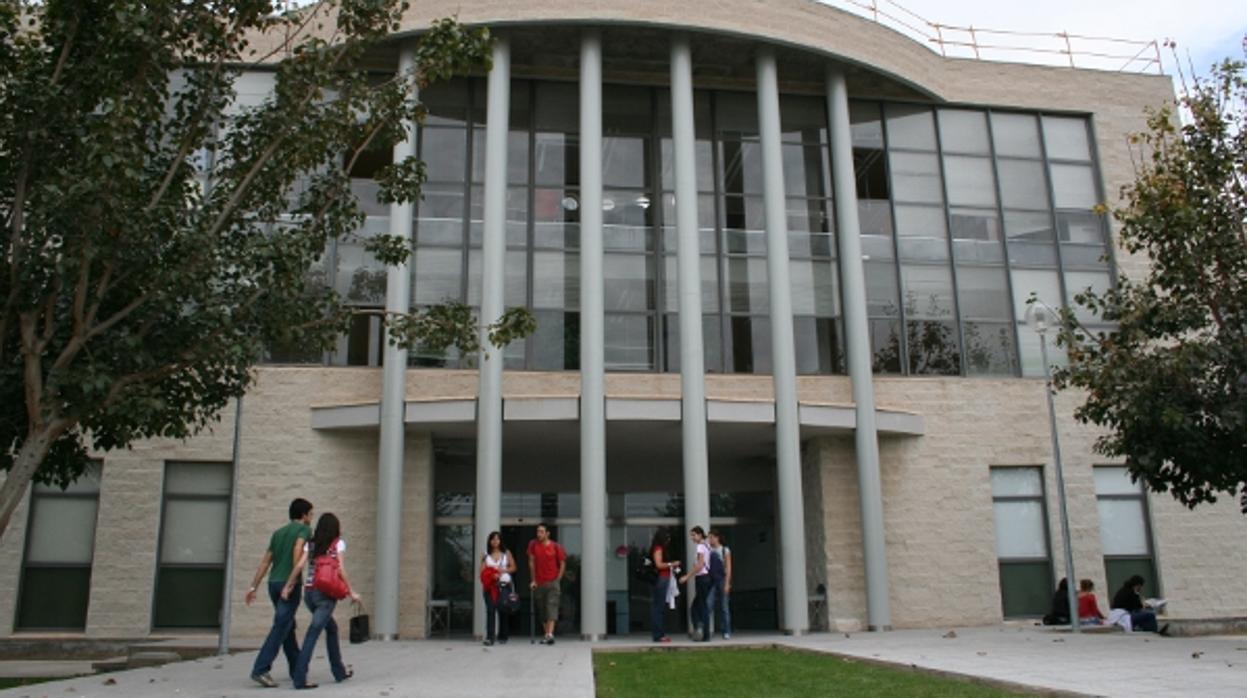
(1208, 29)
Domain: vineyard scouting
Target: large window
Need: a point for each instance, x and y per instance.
(1125, 533)
(194, 531)
(964, 214)
(60, 543)
(1022, 541)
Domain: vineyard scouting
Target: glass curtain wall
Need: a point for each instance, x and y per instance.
(962, 211)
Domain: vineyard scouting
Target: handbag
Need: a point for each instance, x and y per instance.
(360, 631)
(327, 574)
(509, 598)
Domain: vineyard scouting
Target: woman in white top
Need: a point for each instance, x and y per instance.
(701, 585)
(499, 559)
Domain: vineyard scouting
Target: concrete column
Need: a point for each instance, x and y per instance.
(493, 255)
(592, 347)
(783, 355)
(692, 357)
(393, 406)
(857, 334)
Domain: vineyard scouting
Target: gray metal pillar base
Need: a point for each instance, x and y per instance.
(593, 637)
(795, 632)
(879, 628)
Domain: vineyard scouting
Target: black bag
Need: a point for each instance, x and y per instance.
(646, 572)
(718, 572)
(360, 631)
(508, 598)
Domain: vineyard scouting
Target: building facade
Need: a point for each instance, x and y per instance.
(779, 258)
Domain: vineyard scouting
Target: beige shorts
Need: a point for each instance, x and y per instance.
(546, 599)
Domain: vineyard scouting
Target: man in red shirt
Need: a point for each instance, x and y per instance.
(547, 561)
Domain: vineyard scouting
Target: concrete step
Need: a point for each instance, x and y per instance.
(120, 663)
(138, 660)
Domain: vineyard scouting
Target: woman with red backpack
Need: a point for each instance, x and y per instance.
(326, 584)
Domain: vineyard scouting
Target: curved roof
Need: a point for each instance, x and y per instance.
(804, 24)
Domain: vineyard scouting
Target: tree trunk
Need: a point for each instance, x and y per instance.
(34, 449)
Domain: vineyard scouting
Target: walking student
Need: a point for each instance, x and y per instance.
(701, 585)
(664, 565)
(720, 584)
(497, 566)
(547, 561)
(284, 546)
(325, 553)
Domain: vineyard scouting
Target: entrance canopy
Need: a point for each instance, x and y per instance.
(747, 421)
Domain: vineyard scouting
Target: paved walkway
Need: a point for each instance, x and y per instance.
(1109, 665)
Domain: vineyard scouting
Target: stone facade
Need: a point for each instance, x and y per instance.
(937, 499)
(936, 487)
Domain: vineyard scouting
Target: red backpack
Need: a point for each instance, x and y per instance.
(327, 574)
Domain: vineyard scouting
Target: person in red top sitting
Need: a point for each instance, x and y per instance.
(1088, 610)
(547, 561)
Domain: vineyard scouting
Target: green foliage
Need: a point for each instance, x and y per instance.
(1170, 383)
(159, 236)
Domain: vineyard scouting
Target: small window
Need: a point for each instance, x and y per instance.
(1125, 534)
(60, 545)
(1022, 541)
(194, 532)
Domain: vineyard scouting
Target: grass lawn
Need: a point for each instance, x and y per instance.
(764, 672)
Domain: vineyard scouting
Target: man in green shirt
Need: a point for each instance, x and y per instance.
(283, 549)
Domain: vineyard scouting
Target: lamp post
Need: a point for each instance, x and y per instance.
(1039, 316)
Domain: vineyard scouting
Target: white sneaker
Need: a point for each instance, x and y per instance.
(727, 636)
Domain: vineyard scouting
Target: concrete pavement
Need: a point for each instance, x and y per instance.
(1100, 664)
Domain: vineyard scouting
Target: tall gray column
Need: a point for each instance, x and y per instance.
(783, 355)
(688, 260)
(592, 351)
(393, 405)
(493, 254)
(857, 334)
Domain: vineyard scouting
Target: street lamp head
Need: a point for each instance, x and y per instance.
(1040, 316)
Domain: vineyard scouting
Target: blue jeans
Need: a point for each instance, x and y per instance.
(495, 617)
(720, 603)
(1143, 620)
(321, 607)
(701, 611)
(282, 634)
(658, 609)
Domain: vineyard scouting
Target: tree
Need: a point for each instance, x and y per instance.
(1169, 384)
(158, 239)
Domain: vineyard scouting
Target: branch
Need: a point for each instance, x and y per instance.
(285, 44)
